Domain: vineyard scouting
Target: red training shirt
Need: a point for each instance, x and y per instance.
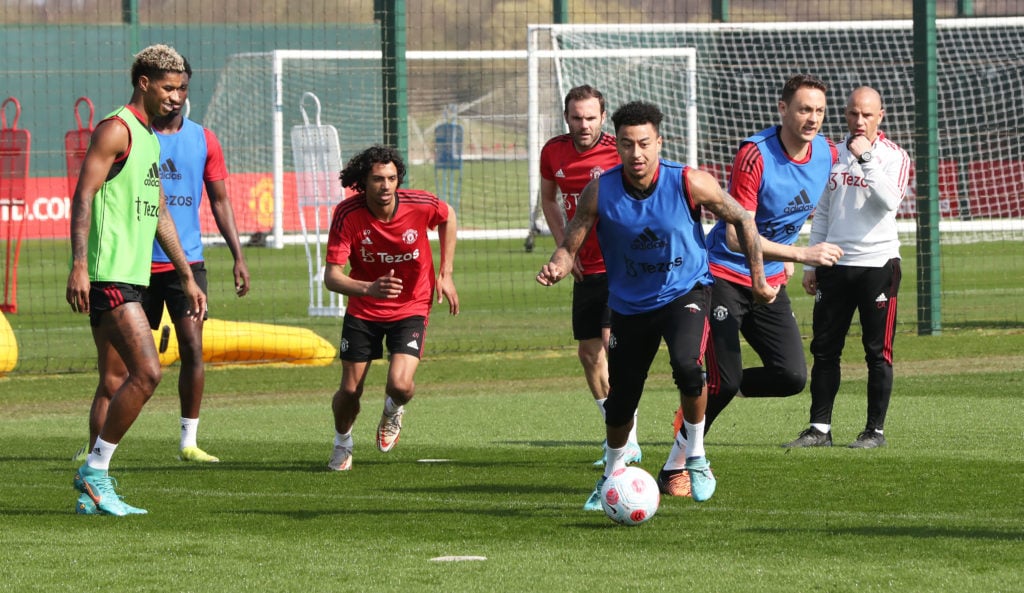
(377, 246)
(572, 171)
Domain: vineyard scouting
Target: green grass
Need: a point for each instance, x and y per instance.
(937, 510)
(504, 309)
(502, 397)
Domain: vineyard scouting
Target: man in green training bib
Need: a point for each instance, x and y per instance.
(117, 210)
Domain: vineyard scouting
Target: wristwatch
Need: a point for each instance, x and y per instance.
(864, 157)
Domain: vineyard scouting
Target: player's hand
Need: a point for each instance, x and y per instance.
(387, 286)
(790, 269)
(78, 289)
(197, 301)
(445, 290)
(858, 145)
(810, 282)
(557, 268)
(821, 254)
(241, 278)
(550, 274)
(765, 293)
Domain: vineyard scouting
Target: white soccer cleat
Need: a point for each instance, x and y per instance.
(389, 429)
(341, 459)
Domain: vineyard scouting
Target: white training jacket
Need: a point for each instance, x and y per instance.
(857, 212)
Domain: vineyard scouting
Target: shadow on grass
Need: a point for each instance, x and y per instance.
(922, 532)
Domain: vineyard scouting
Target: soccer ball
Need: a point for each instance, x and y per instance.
(630, 496)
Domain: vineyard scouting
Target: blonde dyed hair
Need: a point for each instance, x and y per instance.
(155, 61)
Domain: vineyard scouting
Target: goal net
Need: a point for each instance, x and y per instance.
(257, 99)
(741, 68)
(666, 75)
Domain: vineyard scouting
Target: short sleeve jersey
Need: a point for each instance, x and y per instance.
(373, 247)
(188, 159)
(654, 247)
(781, 192)
(126, 208)
(572, 170)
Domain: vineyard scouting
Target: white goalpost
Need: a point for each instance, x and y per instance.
(622, 74)
(741, 67)
(717, 83)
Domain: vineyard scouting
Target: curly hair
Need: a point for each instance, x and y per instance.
(358, 167)
(637, 113)
(155, 61)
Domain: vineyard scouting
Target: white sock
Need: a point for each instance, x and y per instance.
(99, 456)
(600, 406)
(189, 428)
(694, 439)
(343, 440)
(615, 459)
(677, 456)
(390, 407)
(632, 431)
(821, 427)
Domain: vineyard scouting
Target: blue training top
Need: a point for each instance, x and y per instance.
(182, 165)
(787, 195)
(653, 247)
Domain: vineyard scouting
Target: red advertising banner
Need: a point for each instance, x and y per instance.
(46, 213)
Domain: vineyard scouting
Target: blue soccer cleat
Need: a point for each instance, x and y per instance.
(594, 502)
(702, 481)
(99, 486)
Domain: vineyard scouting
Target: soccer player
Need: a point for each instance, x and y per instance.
(381, 233)
(117, 209)
(858, 213)
(191, 158)
(648, 226)
(567, 163)
(778, 175)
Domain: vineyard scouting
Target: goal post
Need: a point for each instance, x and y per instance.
(665, 75)
(258, 94)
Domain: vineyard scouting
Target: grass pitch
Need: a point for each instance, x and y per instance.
(937, 510)
(502, 402)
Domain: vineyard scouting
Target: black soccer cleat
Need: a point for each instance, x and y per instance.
(869, 439)
(812, 437)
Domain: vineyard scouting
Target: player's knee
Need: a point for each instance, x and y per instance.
(791, 381)
(147, 377)
(349, 393)
(190, 353)
(618, 411)
(590, 355)
(400, 392)
(688, 377)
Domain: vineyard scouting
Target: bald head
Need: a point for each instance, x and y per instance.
(864, 112)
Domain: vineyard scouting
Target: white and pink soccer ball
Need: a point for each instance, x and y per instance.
(630, 496)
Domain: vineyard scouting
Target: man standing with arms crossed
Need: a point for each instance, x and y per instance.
(858, 213)
(568, 162)
(117, 209)
(648, 225)
(778, 176)
(381, 232)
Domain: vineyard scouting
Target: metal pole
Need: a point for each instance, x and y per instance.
(391, 15)
(926, 161)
